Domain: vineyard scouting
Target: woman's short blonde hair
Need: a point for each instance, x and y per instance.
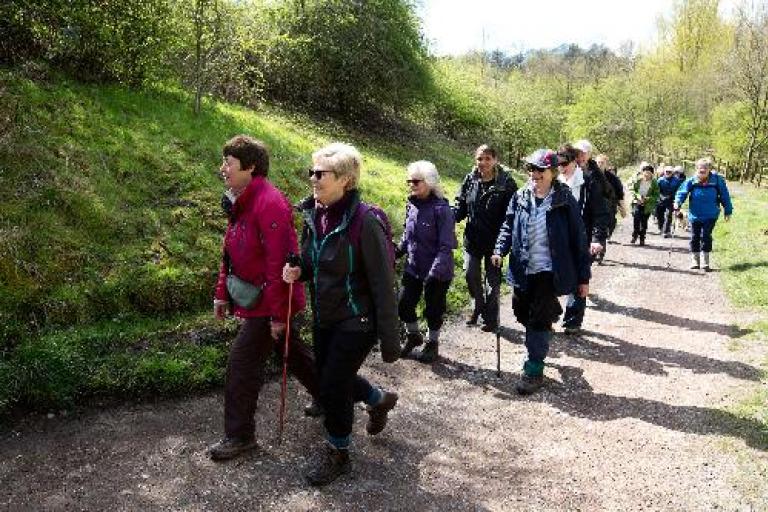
(424, 170)
(342, 159)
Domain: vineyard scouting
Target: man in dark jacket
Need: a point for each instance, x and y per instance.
(483, 200)
(668, 185)
(589, 187)
(615, 201)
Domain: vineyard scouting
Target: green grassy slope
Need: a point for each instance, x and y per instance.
(110, 230)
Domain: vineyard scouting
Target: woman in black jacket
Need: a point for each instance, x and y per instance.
(344, 259)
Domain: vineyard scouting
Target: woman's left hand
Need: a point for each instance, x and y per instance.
(276, 329)
(291, 274)
(583, 290)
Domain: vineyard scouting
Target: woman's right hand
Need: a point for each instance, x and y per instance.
(291, 274)
(220, 309)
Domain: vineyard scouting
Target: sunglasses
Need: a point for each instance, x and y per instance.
(413, 182)
(317, 173)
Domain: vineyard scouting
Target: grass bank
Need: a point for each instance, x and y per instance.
(110, 231)
(741, 250)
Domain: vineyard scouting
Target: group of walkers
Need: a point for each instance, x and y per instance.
(664, 194)
(552, 228)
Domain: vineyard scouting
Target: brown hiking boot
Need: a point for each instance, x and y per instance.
(328, 465)
(377, 415)
(529, 384)
(230, 447)
(412, 340)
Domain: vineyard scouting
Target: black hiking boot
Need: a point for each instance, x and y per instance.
(314, 409)
(412, 340)
(634, 239)
(642, 240)
(377, 415)
(529, 384)
(472, 320)
(429, 353)
(230, 447)
(329, 464)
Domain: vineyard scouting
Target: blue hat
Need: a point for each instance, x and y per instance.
(543, 159)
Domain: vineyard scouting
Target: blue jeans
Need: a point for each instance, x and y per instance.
(574, 311)
(701, 235)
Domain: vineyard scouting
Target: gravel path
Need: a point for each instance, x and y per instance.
(634, 416)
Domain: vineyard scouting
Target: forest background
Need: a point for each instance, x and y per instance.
(113, 113)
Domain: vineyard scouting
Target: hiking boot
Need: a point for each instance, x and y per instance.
(328, 465)
(488, 328)
(314, 409)
(529, 384)
(634, 239)
(694, 261)
(572, 330)
(705, 262)
(472, 320)
(230, 447)
(667, 235)
(642, 240)
(429, 352)
(412, 340)
(377, 415)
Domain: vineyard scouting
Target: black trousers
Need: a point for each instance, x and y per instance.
(338, 356)
(664, 214)
(435, 293)
(537, 307)
(640, 219)
(245, 372)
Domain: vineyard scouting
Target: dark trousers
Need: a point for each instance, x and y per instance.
(612, 210)
(338, 356)
(664, 214)
(640, 219)
(537, 308)
(575, 307)
(486, 298)
(245, 372)
(701, 235)
(435, 293)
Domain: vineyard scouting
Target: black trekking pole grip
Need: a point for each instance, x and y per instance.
(293, 260)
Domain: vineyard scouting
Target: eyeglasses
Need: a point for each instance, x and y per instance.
(317, 173)
(413, 182)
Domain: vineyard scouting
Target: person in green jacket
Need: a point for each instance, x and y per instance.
(645, 195)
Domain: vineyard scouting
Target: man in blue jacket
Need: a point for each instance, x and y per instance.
(668, 185)
(707, 192)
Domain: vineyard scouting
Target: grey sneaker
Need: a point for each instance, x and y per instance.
(230, 447)
(529, 384)
(572, 331)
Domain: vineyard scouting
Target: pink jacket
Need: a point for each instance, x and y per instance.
(259, 237)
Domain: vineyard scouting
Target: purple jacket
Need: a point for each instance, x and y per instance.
(429, 238)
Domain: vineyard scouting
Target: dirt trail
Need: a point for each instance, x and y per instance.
(634, 416)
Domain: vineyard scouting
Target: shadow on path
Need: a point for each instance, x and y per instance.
(658, 317)
(649, 360)
(659, 268)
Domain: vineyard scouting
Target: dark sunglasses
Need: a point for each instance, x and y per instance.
(413, 182)
(317, 173)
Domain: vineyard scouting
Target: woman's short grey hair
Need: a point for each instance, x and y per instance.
(424, 170)
(705, 163)
(343, 159)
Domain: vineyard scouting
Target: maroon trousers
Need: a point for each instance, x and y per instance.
(245, 372)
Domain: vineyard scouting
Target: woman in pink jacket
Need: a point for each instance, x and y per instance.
(259, 237)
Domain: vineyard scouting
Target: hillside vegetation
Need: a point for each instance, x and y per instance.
(111, 230)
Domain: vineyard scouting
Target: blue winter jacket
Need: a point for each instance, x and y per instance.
(429, 238)
(568, 245)
(668, 186)
(706, 198)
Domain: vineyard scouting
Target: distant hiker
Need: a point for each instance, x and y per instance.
(707, 191)
(615, 202)
(259, 237)
(588, 186)
(428, 242)
(345, 259)
(482, 200)
(668, 185)
(645, 194)
(549, 257)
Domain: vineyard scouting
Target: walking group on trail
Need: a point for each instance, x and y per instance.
(552, 229)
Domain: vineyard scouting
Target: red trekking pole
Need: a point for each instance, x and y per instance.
(294, 261)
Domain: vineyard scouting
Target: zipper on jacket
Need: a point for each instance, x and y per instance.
(350, 297)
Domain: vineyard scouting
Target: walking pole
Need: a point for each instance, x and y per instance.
(498, 324)
(293, 261)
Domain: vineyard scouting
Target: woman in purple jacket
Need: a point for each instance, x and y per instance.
(428, 242)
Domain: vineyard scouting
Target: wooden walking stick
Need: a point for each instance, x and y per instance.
(294, 261)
